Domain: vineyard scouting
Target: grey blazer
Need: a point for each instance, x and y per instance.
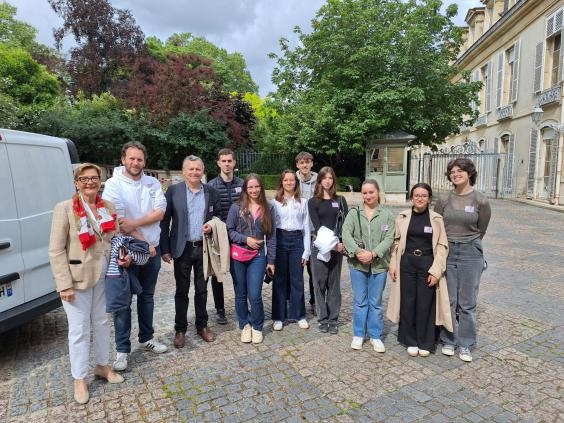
(173, 236)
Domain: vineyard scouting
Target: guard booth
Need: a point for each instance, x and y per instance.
(387, 163)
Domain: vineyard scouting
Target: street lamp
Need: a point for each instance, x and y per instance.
(537, 115)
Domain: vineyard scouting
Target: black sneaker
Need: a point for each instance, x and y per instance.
(221, 318)
(333, 329)
(324, 327)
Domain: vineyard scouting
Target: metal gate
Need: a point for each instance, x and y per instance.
(494, 170)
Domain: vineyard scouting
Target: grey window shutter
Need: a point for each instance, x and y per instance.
(539, 50)
(553, 153)
(531, 177)
(499, 79)
(489, 87)
(508, 170)
(515, 79)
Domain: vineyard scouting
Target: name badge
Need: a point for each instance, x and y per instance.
(211, 209)
(237, 189)
(335, 204)
(469, 209)
(384, 227)
(152, 193)
(428, 229)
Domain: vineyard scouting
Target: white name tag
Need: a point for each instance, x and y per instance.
(384, 227)
(335, 204)
(237, 189)
(211, 209)
(469, 209)
(428, 229)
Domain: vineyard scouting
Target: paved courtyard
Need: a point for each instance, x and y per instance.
(302, 375)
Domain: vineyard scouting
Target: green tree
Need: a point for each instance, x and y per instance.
(230, 67)
(369, 67)
(26, 86)
(13, 32)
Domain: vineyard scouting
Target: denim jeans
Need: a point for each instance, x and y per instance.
(288, 281)
(191, 258)
(247, 282)
(465, 264)
(147, 275)
(367, 303)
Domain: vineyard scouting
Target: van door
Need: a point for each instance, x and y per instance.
(11, 260)
(42, 178)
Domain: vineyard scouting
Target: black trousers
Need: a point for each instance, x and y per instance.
(217, 290)
(417, 307)
(191, 258)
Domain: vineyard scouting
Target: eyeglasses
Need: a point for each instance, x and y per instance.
(86, 179)
(420, 196)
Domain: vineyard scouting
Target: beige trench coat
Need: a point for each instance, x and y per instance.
(440, 252)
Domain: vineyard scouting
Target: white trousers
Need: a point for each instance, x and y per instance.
(88, 312)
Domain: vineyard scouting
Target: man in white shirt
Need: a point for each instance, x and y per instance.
(140, 204)
(308, 179)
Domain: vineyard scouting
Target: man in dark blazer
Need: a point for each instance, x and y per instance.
(189, 206)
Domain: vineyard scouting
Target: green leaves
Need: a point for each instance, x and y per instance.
(370, 67)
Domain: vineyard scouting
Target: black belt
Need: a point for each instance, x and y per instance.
(419, 253)
(199, 243)
(290, 232)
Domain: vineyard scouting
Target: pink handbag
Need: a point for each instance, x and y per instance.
(241, 253)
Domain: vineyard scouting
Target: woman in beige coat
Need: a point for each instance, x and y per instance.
(420, 301)
(79, 248)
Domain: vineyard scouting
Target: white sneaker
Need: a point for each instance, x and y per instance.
(303, 324)
(413, 351)
(121, 362)
(448, 349)
(357, 342)
(378, 345)
(155, 346)
(465, 354)
(246, 336)
(424, 353)
(277, 325)
(256, 336)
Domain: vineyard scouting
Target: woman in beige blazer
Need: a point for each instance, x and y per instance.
(420, 302)
(79, 249)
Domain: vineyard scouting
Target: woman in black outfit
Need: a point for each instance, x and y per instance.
(328, 209)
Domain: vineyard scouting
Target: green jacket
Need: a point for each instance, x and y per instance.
(377, 236)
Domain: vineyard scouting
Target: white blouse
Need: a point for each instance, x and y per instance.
(294, 216)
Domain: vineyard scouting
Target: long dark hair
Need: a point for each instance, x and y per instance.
(280, 192)
(318, 192)
(244, 201)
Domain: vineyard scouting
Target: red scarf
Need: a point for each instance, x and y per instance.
(86, 234)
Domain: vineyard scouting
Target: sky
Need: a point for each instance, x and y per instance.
(250, 27)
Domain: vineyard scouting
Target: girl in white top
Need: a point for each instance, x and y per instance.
(293, 246)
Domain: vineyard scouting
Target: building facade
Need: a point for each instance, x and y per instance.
(514, 48)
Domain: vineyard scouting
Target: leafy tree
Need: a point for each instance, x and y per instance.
(184, 83)
(367, 68)
(230, 67)
(26, 86)
(107, 40)
(98, 126)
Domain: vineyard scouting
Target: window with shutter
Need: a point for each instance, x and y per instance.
(558, 20)
(489, 87)
(499, 91)
(550, 26)
(509, 148)
(539, 50)
(514, 70)
(555, 57)
(531, 176)
(552, 167)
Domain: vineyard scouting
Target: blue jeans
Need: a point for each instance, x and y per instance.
(367, 303)
(465, 264)
(247, 282)
(147, 275)
(288, 282)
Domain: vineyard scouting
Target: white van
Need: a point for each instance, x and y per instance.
(36, 172)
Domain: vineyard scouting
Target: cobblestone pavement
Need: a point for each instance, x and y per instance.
(302, 375)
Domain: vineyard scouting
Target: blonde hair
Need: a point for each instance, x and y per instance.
(85, 166)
